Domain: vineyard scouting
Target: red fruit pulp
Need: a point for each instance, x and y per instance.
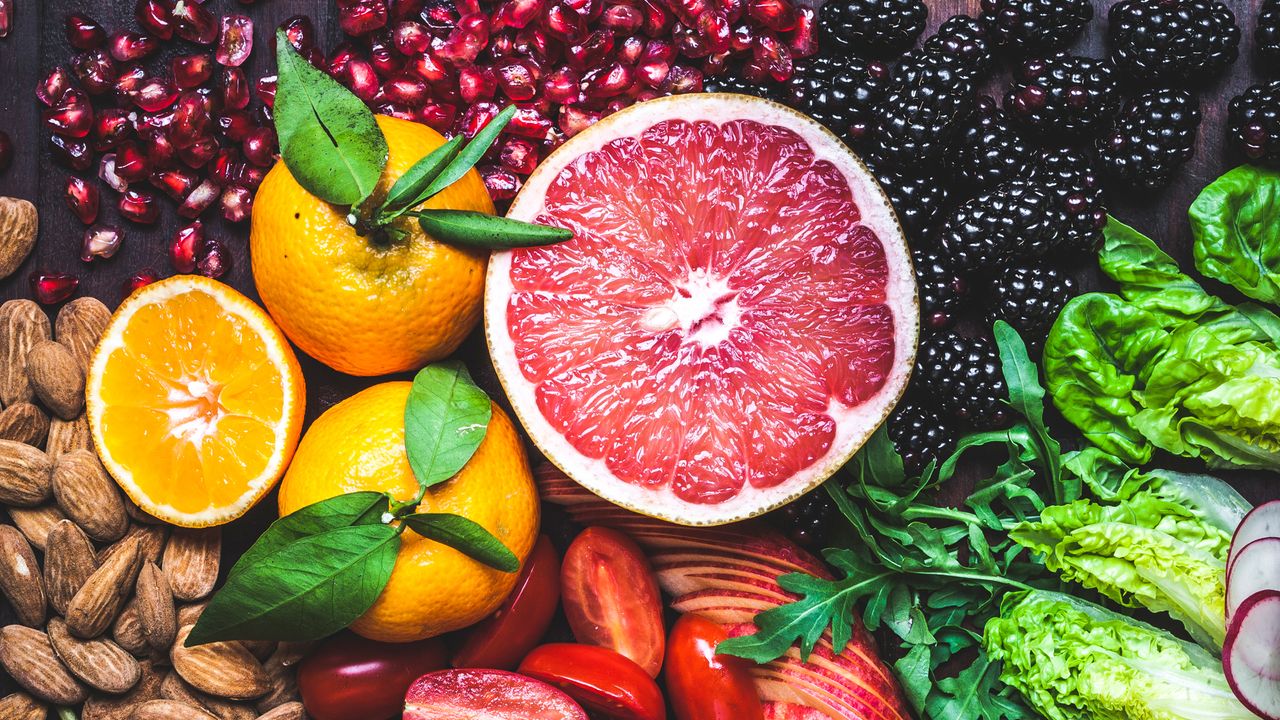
(487, 694)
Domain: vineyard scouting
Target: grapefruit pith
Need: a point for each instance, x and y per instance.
(735, 315)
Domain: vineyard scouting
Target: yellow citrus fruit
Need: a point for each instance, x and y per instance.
(359, 305)
(195, 401)
(357, 445)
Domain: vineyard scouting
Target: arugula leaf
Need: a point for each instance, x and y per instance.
(409, 190)
(359, 508)
(1026, 394)
(445, 419)
(490, 232)
(466, 536)
(329, 138)
(471, 154)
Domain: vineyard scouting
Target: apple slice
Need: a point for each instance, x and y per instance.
(726, 608)
(792, 711)
(1261, 522)
(1251, 654)
(1256, 568)
(486, 695)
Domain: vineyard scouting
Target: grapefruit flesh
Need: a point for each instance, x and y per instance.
(734, 316)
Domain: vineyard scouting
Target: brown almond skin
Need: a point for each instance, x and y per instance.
(88, 495)
(24, 423)
(168, 710)
(191, 562)
(26, 475)
(190, 613)
(156, 612)
(100, 600)
(176, 689)
(100, 663)
(127, 631)
(68, 435)
(288, 711)
(100, 706)
(28, 657)
(57, 378)
(79, 326)
(222, 669)
(281, 669)
(21, 706)
(36, 523)
(19, 224)
(22, 325)
(68, 562)
(20, 577)
(151, 540)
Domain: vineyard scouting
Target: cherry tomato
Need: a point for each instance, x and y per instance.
(350, 678)
(503, 639)
(601, 680)
(703, 685)
(611, 597)
(451, 694)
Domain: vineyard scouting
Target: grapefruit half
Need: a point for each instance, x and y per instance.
(735, 315)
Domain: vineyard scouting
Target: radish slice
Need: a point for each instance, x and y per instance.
(1257, 568)
(1261, 522)
(1251, 655)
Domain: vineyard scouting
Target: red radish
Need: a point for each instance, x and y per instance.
(1261, 522)
(1251, 654)
(1256, 568)
(487, 694)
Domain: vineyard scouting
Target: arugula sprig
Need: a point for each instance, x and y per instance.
(314, 571)
(931, 575)
(333, 147)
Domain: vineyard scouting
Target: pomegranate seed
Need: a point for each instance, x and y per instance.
(657, 20)
(236, 125)
(83, 32)
(777, 15)
(574, 120)
(519, 13)
(191, 119)
(260, 147)
(128, 83)
(6, 151)
(107, 173)
(235, 40)
(774, 57)
(518, 80)
(199, 153)
(176, 183)
(631, 49)
(214, 260)
(131, 164)
(54, 86)
(410, 38)
(191, 71)
(624, 19)
(682, 79)
(237, 204)
(591, 51)
(156, 17)
(100, 243)
(405, 9)
(361, 17)
(131, 46)
(528, 122)
(300, 33)
(518, 155)
(186, 246)
(137, 281)
(95, 70)
(608, 81)
(193, 23)
(476, 84)
(466, 41)
(51, 288)
(501, 183)
(266, 90)
(6, 17)
(406, 89)
(361, 79)
(71, 117)
(235, 88)
(477, 116)
(802, 40)
(340, 59)
(159, 148)
(75, 154)
(655, 63)
(228, 167)
(155, 94)
(563, 23)
(386, 61)
(562, 86)
(199, 200)
(140, 206)
(253, 176)
(111, 127)
(429, 68)
(439, 116)
(83, 199)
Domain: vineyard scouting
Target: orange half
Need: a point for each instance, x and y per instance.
(195, 401)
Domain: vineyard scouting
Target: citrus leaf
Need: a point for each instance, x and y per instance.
(304, 590)
(471, 154)
(329, 138)
(445, 419)
(466, 536)
(360, 508)
(491, 232)
(409, 190)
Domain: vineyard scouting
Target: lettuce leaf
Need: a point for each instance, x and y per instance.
(1236, 225)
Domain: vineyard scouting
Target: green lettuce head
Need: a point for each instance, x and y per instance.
(1236, 226)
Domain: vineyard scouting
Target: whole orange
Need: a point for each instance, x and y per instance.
(367, 305)
(357, 445)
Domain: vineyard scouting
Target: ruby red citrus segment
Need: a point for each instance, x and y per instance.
(719, 303)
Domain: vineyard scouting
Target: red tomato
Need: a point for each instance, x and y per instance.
(611, 597)
(601, 680)
(452, 694)
(503, 639)
(350, 678)
(703, 685)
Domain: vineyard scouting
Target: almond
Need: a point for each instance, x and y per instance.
(151, 539)
(189, 614)
(287, 711)
(19, 223)
(99, 601)
(127, 630)
(119, 707)
(168, 710)
(22, 325)
(222, 669)
(191, 561)
(156, 612)
(20, 578)
(26, 475)
(68, 563)
(57, 378)
(284, 677)
(176, 689)
(137, 514)
(88, 495)
(68, 435)
(29, 659)
(35, 523)
(101, 664)
(79, 326)
(24, 423)
(21, 706)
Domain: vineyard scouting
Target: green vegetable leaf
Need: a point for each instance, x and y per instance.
(1236, 225)
(471, 154)
(329, 138)
(410, 190)
(304, 590)
(359, 508)
(466, 536)
(1027, 397)
(445, 419)
(490, 232)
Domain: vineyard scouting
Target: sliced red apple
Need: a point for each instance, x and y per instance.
(792, 711)
(1251, 654)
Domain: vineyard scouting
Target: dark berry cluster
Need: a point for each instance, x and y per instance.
(1253, 121)
(1036, 25)
(1154, 136)
(1173, 41)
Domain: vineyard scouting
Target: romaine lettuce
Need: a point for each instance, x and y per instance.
(1236, 226)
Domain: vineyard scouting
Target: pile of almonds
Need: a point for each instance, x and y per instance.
(104, 594)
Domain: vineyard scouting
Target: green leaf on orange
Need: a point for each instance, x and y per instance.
(329, 138)
(491, 232)
(445, 419)
(466, 536)
(409, 190)
(471, 154)
(359, 508)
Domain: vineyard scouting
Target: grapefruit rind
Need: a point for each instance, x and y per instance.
(854, 425)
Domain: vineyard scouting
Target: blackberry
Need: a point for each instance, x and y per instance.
(1017, 220)
(1035, 25)
(839, 92)
(1064, 95)
(989, 150)
(1253, 122)
(733, 82)
(1267, 35)
(1029, 298)
(873, 28)
(807, 520)
(921, 436)
(943, 288)
(1173, 41)
(963, 41)
(964, 374)
(1070, 176)
(1154, 136)
(918, 200)
(919, 118)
